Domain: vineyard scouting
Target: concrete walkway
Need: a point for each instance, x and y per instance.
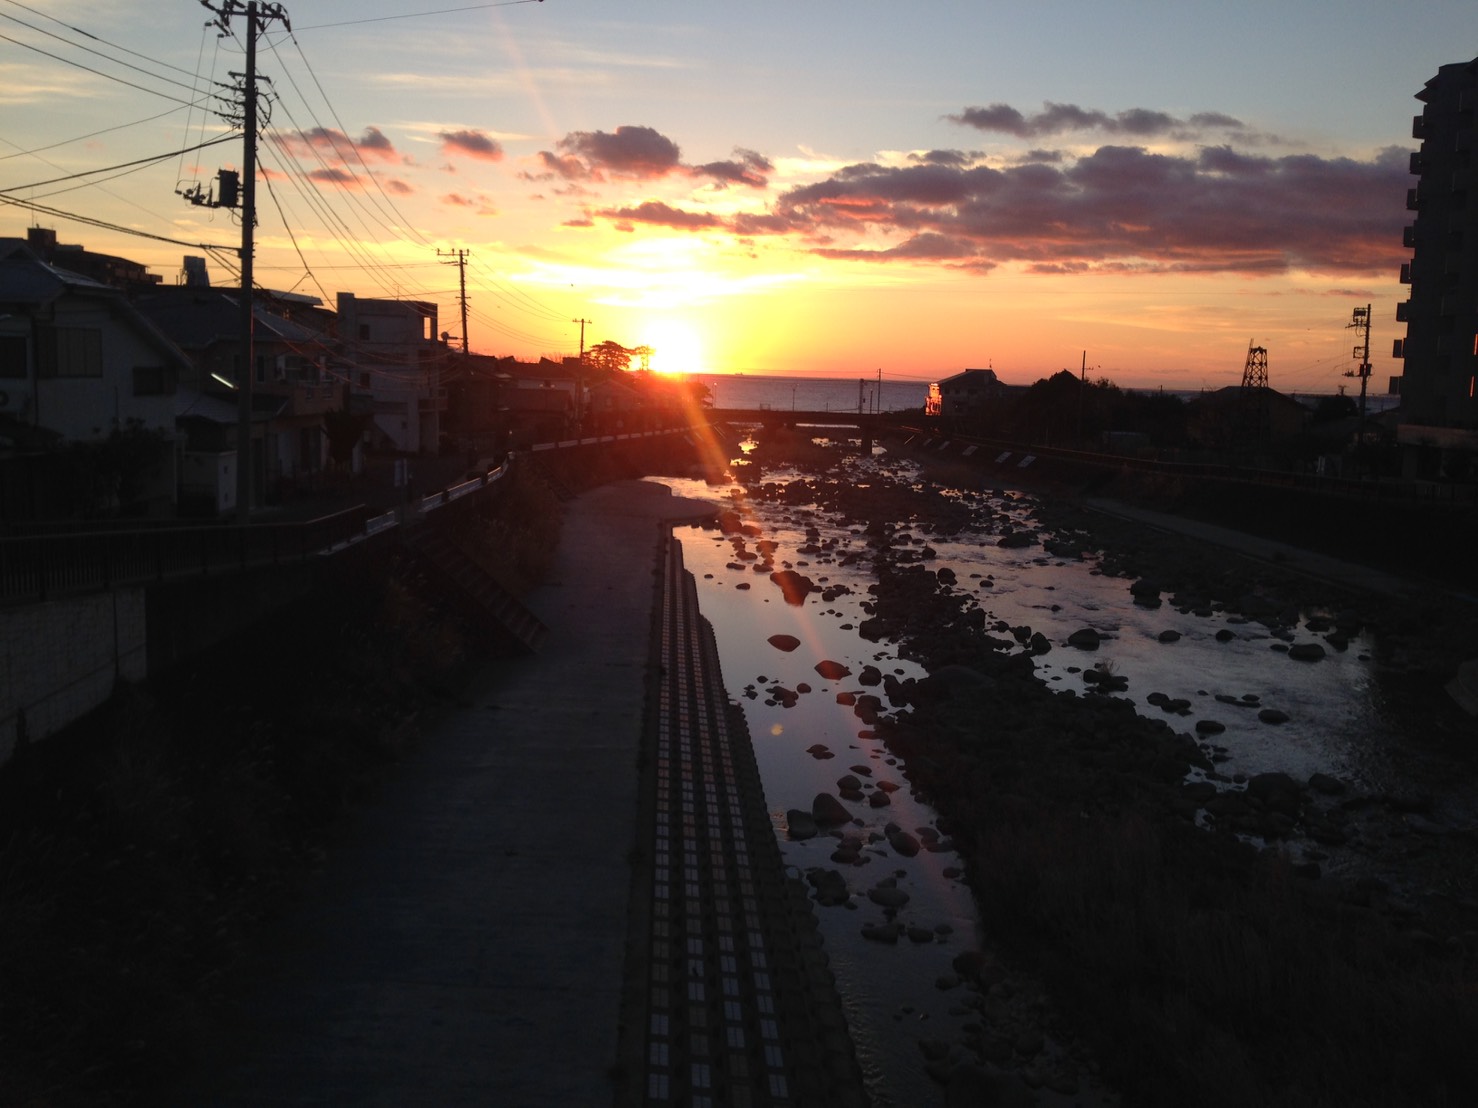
(466, 941)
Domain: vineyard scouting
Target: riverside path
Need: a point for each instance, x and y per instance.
(570, 894)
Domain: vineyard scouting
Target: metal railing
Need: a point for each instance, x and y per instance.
(37, 567)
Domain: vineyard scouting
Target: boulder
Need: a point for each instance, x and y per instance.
(830, 886)
(801, 825)
(1306, 652)
(1085, 638)
(902, 842)
(795, 586)
(1327, 785)
(828, 811)
(832, 671)
(887, 896)
(786, 643)
(1276, 792)
(1017, 540)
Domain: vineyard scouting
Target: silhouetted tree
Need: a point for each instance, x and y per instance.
(610, 356)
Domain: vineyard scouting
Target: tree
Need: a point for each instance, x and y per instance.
(643, 354)
(610, 356)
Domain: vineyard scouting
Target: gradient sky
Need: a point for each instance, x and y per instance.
(811, 188)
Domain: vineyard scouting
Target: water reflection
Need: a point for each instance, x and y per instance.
(1212, 668)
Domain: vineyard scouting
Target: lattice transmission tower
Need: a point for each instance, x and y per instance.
(1253, 426)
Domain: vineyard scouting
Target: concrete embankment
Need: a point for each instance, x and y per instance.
(570, 894)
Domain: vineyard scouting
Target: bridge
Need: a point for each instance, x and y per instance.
(869, 423)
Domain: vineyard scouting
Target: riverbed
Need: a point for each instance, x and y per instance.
(1207, 671)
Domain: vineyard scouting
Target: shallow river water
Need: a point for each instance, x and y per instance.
(896, 995)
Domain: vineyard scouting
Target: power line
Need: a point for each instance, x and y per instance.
(86, 34)
(124, 165)
(100, 73)
(58, 213)
(419, 15)
(95, 134)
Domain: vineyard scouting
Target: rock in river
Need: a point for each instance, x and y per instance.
(828, 811)
(1085, 638)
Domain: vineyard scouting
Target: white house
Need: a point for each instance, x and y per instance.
(79, 363)
(396, 362)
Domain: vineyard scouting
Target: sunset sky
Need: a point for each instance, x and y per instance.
(808, 188)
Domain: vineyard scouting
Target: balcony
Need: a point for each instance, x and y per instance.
(1406, 273)
(1403, 308)
(1398, 348)
(1418, 164)
(1413, 200)
(1419, 127)
(1408, 236)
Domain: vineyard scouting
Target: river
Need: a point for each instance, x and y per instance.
(899, 997)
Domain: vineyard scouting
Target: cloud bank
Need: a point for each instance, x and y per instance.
(1184, 206)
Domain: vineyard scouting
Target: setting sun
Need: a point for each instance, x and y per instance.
(677, 347)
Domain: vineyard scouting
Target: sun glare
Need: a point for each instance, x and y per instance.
(677, 347)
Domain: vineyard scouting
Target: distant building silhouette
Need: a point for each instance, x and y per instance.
(966, 394)
(1439, 383)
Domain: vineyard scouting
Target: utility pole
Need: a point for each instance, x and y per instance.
(257, 14)
(461, 256)
(580, 375)
(1360, 321)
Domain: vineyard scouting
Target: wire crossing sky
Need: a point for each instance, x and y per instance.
(832, 188)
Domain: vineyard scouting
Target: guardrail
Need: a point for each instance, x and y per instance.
(77, 558)
(38, 567)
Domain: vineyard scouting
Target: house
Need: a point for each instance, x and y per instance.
(397, 365)
(966, 394)
(105, 269)
(293, 384)
(613, 405)
(82, 368)
(1241, 418)
(539, 415)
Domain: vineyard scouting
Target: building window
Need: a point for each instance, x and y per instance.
(69, 352)
(153, 380)
(13, 357)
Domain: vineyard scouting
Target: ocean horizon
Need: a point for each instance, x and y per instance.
(783, 392)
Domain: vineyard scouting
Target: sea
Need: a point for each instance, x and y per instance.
(871, 394)
(815, 394)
